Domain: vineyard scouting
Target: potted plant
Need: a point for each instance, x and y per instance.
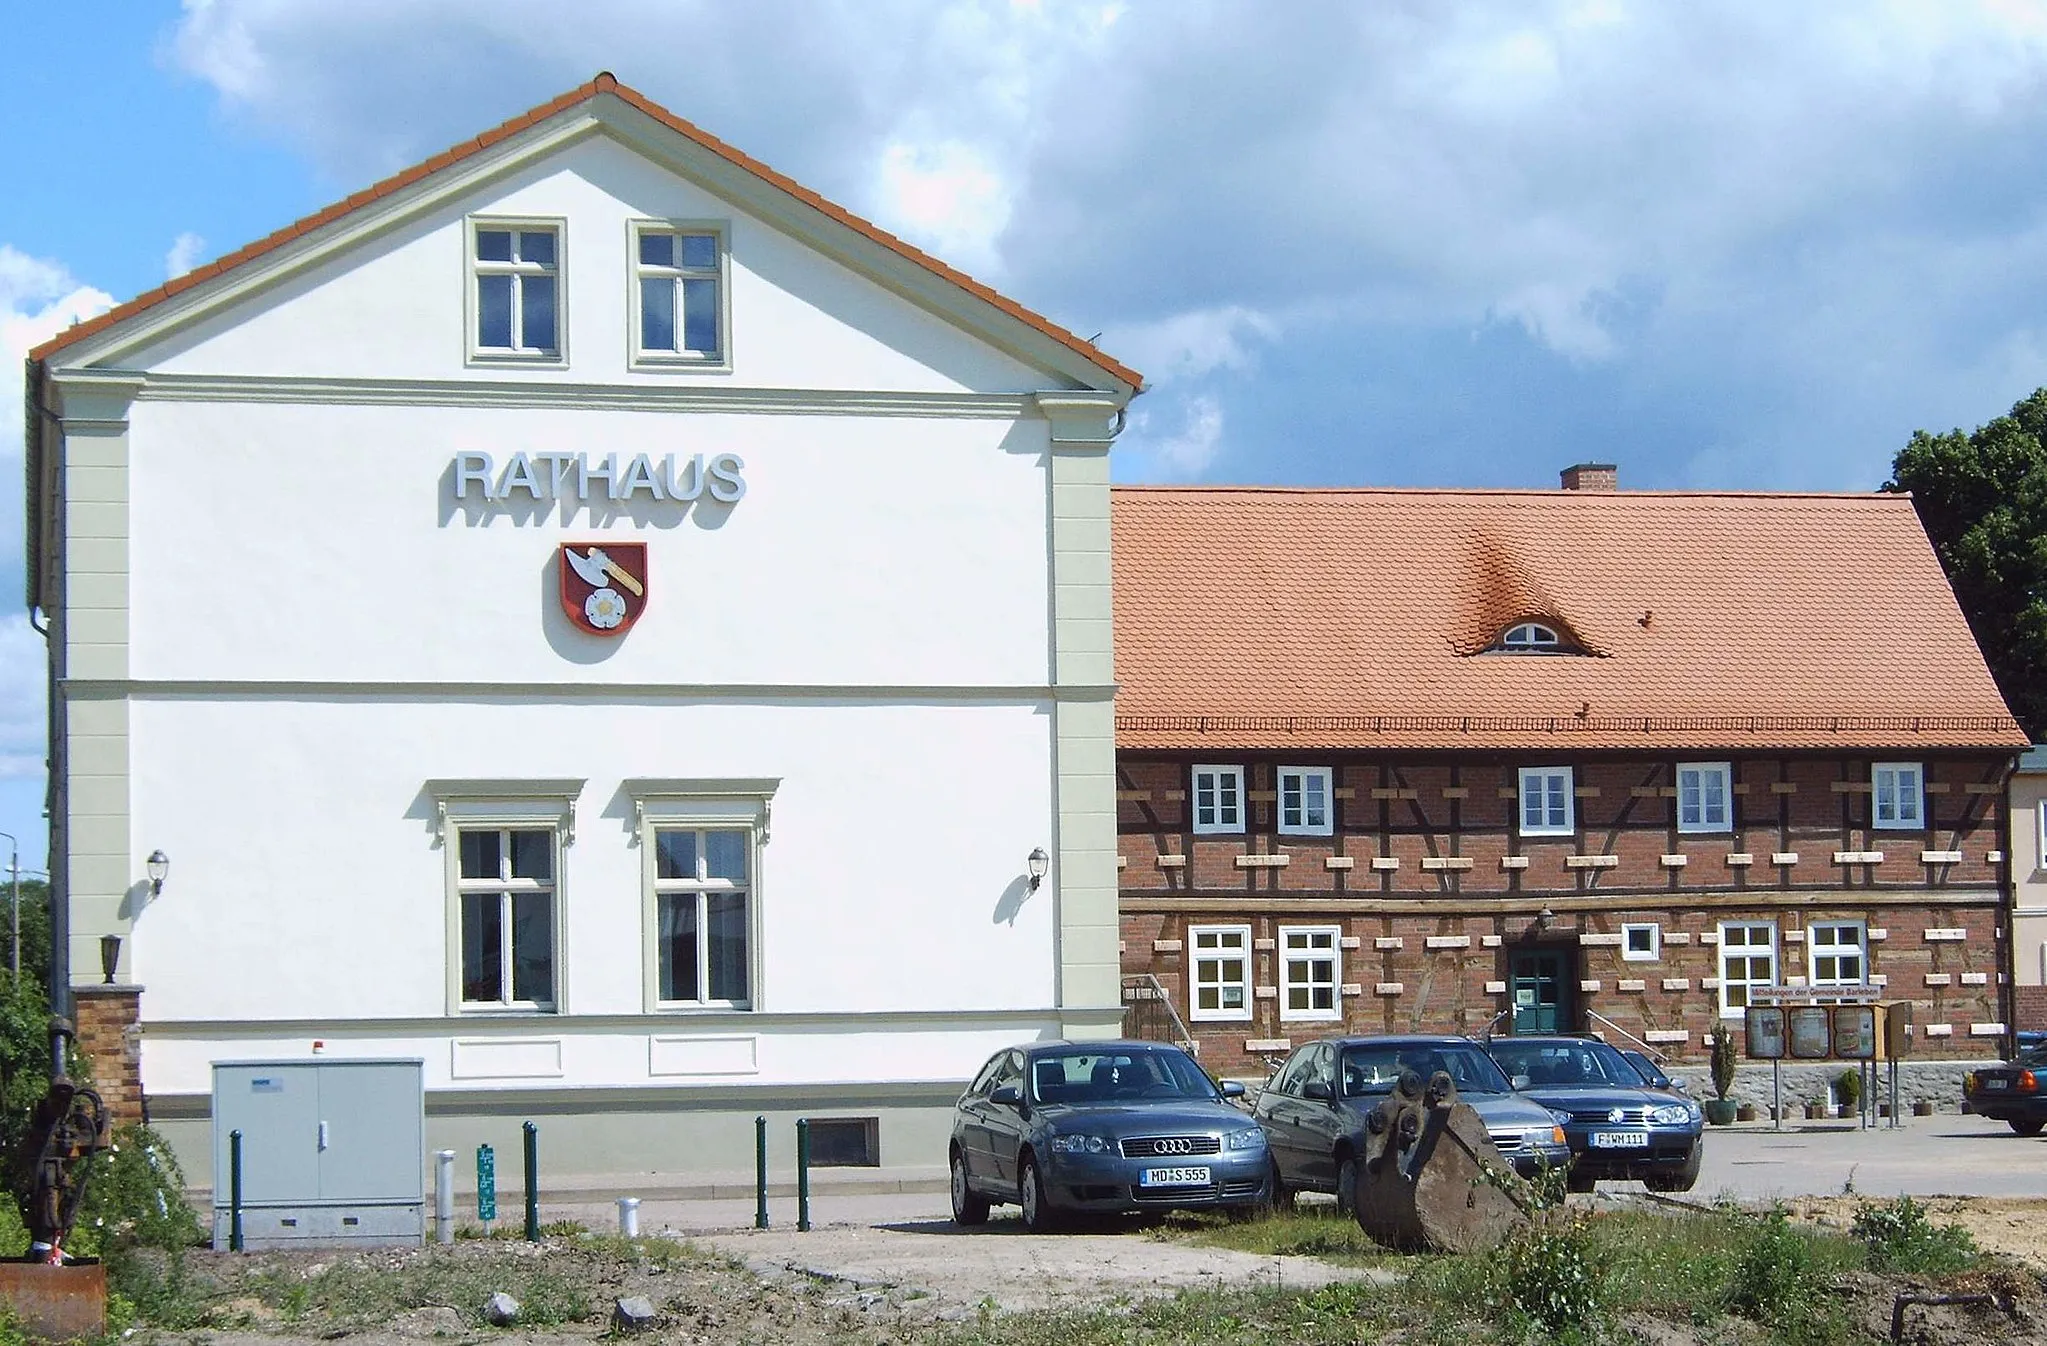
(1746, 1112)
(1922, 1107)
(1848, 1088)
(1720, 1108)
(1817, 1109)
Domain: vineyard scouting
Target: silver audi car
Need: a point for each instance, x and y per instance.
(1104, 1127)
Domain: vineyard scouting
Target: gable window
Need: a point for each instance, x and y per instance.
(1304, 795)
(1308, 972)
(679, 294)
(1838, 953)
(701, 843)
(515, 289)
(1547, 804)
(1530, 637)
(1222, 971)
(1218, 799)
(1748, 959)
(1899, 796)
(1642, 943)
(1703, 793)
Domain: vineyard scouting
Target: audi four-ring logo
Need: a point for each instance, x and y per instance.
(1176, 1145)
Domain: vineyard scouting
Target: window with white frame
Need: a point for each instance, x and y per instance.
(515, 289)
(1221, 958)
(1641, 942)
(1838, 952)
(1704, 795)
(505, 889)
(702, 922)
(1218, 799)
(1547, 804)
(1899, 795)
(1308, 971)
(1304, 800)
(1530, 638)
(679, 293)
(1748, 959)
(701, 847)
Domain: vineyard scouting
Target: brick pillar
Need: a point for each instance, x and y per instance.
(110, 1036)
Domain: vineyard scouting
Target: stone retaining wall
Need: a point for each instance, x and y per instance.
(1940, 1081)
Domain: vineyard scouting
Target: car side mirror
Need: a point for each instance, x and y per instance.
(1319, 1089)
(1233, 1089)
(1008, 1095)
(1520, 1081)
(1681, 1086)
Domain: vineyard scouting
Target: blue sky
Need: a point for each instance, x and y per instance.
(1412, 242)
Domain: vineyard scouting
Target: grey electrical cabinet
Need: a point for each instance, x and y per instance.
(333, 1151)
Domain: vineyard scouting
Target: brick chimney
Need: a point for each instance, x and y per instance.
(1592, 477)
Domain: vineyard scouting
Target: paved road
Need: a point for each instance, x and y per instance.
(1929, 1156)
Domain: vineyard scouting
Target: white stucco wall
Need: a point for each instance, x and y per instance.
(324, 542)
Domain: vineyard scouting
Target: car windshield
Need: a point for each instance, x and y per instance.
(1375, 1068)
(1554, 1064)
(2034, 1054)
(1092, 1075)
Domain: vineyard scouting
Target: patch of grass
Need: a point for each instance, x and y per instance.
(1314, 1231)
(357, 1291)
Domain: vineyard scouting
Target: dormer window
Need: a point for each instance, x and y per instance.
(1530, 637)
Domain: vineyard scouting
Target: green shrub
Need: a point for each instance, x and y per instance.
(135, 1198)
(1774, 1276)
(1723, 1060)
(1897, 1236)
(1553, 1275)
(1848, 1088)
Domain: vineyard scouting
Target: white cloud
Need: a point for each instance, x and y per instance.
(186, 250)
(946, 198)
(1183, 453)
(1677, 189)
(1189, 345)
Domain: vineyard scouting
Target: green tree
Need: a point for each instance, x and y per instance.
(1982, 497)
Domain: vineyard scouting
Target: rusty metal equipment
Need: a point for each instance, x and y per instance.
(66, 1129)
(1432, 1179)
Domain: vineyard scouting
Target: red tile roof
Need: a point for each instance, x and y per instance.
(603, 84)
(1253, 618)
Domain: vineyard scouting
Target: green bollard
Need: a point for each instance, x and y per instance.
(760, 1173)
(803, 1175)
(532, 1183)
(234, 1191)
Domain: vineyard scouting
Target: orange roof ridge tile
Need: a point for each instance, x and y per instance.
(1543, 492)
(604, 83)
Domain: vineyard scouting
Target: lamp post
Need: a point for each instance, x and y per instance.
(1036, 864)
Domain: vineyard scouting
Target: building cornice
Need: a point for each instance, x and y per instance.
(202, 688)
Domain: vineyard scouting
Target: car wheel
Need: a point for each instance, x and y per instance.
(1279, 1196)
(968, 1206)
(2026, 1126)
(1684, 1179)
(1038, 1216)
(1347, 1185)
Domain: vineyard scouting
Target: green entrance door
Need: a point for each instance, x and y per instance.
(1542, 994)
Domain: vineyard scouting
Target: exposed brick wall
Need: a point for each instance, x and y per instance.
(1433, 816)
(110, 1036)
(2029, 1007)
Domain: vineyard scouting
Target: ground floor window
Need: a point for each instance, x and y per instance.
(1220, 956)
(505, 877)
(1838, 953)
(1748, 959)
(1308, 977)
(701, 891)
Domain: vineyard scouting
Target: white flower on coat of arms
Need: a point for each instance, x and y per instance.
(605, 608)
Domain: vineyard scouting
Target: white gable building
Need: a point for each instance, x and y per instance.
(594, 616)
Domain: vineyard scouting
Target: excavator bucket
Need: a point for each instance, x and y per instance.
(1432, 1179)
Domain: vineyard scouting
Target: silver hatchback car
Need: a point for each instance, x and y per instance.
(1104, 1127)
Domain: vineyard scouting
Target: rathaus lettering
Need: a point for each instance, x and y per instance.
(576, 476)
